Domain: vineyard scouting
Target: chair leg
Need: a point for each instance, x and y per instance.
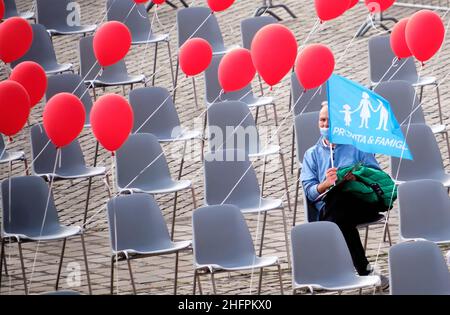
(177, 69)
(88, 196)
(286, 185)
(286, 238)
(421, 94)
(388, 233)
(297, 188)
(262, 233)
(264, 175)
(86, 264)
(60, 264)
(281, 279)
(25, 164)
(95, 93)
(260, 280)
(365, 238)
(275, 116)
(22, 264)
(112, 275)
(131, 276)
(292, 150)
(2, 260)
(256, 115)
(154, 64)
(176, 274)
(180, 171)
(274, 15)
(438, 94)
(124, 91)
(171, 64)
(194, 200)
(213, 281)
(194, 284)
(184, 3)
(173, 215)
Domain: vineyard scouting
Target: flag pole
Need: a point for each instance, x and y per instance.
(331, 154)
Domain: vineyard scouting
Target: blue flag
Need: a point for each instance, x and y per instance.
(364, 119)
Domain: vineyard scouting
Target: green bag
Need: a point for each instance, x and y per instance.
(371, 185)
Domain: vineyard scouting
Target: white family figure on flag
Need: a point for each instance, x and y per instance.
(366, 109)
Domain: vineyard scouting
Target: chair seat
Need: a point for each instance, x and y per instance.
(379, 219)
(185, 135)
(145, 39)
(55, 68)
(438, 128)
(444, 178)
(253, 101)
(76, 172)
(169, 248)
(160, 187)
(341, 282)
(119, 79)
(24, 15)
(50, 234)
(11, 156)
(71, 30)
(242, 264)
(266, 204)
(222, 50)
(438, 237)
(425, 81)
(269, 150)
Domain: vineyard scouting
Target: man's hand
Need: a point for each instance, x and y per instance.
(331, 178)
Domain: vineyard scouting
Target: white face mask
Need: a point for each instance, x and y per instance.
(324, 132)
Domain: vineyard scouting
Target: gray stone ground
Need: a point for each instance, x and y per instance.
(155, 275)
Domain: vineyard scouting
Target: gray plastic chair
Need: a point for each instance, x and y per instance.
(155, 113)
(54, 15)
(418, 268)
(11, 11)
(427, 163)
(304, 102)
(70, 83)
(114, 75)
(43, 52)
(381, 58)
(213, 92)
(321, 260)
(231, 126)
(136, 230)
(150, 4)
(61, 292)
(231, 179)
(424, 211)
(141, 166)
(135, 17)
(403, 100)
(9, 157)
(71, 166)
(222, 242)
(24, 211)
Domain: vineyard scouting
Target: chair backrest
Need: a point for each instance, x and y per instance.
(418, 268)
(203, 23)
(427, 156)
(25, 209)
(231, 126)
(41, 50)
(403, 100)
(230, 178)
(132, 14)
(250, 26)
(381, 58)
(70, 83)
(213, 87)
(71, 155)
(306, 101)
(89, 67)
(135, 222)
(141, 153)
(220, 234)
(154, 112)
(53, 13)
(424, 209)
(10, 9)
(307, 133)
(319, 251)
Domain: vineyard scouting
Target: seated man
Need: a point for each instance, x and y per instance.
(342, 208)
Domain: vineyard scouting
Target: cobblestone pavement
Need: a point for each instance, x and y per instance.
(155, 275)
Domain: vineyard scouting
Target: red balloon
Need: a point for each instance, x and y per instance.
(314, 65)
(16, 36)
(330, 9)
(111, 121)
(424, 34)
(141, 1)
(14, 107)
(33, 78)
(352, 4)
(376, 6)
(64, 117)
(2, 9)
(195, 56)
(158, 1)
(273, 50)
(236, 70)
(398, 40)
(112, 41)
(219, 5)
